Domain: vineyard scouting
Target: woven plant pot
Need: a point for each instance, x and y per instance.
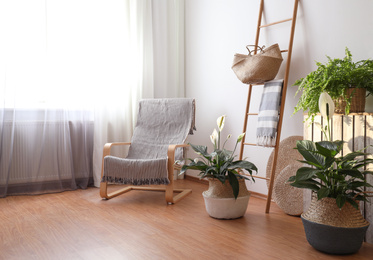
(220, 202)
(357, 101)
(333, 230)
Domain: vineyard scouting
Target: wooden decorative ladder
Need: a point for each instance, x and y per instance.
(283, 97)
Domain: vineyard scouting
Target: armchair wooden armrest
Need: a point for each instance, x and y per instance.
(170, 198)
(107, 151)
(171, 156)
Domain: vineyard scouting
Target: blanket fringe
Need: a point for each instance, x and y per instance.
(135, 172)
(137, 182)
(266, 141)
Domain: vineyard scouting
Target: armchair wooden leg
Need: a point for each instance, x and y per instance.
(169, 192)
(103, 190)
(182, 193)
(105, 195)
(170, 198)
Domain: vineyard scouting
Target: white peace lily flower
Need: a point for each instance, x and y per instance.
(196, 160)
(326, 107)
(240, 137)
(214, 137)
(220, 122)
(323, 100)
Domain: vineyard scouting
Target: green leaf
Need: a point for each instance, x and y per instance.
(322, 177)
(312, 164)
(212, 171)
(336, 176)
(351, 172)
(352, 202)
(309, 152)
(352, 156)
(201, 149)
(341, 200)
(224, 155)
(322, 193)
(356, 184)
(327, 149)
(329, 161)
(367, 172)
(243, 165)
(305, 173)
(362, 163)
(312, 185)
(245, 177)
(234, 183)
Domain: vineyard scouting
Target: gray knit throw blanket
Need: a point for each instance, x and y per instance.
(269, 113)
(160, 122)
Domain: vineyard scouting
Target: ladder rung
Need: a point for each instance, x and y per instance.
(270, 24)
(252, 114)
(284, 50)
(250, 144)
(260, 177)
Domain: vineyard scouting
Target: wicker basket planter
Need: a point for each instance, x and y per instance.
(221, 204)
(333, 230)
(357, 101)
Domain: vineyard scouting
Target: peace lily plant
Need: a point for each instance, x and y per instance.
(220, 164)
(326, 173)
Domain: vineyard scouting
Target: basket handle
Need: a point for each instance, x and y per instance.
(256, 46)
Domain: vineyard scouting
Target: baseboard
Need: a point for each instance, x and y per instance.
(204, 181)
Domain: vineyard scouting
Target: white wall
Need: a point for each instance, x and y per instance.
(216, 29)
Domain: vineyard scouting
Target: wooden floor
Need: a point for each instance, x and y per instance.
(140, 225)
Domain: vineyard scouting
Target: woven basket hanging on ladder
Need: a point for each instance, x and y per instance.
(257, 68)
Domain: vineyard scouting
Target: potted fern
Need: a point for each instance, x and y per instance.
(342, 79)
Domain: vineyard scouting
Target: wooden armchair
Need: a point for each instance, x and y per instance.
(152, 152)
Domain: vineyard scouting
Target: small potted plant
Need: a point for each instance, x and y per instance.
(227, 196)
(344, 80)
(333, 223)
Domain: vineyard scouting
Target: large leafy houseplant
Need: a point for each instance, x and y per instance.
(326, 172)
(334, 77)
(220, 163)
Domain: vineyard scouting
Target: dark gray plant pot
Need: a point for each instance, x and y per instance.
(334, 240)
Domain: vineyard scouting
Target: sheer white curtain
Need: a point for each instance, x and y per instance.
(168, 31)
(156, 44)
(71, 75)
(115, 110)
